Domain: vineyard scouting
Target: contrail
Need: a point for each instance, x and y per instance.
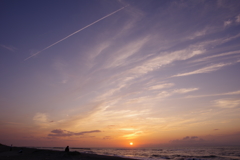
(76, 32)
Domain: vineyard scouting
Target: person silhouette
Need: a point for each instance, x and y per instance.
(67, 149)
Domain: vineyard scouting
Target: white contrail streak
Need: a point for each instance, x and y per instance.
(76, 32)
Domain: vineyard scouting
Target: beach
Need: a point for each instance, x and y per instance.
(41, 154)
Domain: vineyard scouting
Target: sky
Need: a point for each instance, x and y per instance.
(104, 73)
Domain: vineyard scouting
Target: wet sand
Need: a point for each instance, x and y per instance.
(40, 154)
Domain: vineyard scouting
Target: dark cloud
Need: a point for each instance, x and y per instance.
(93, 131)
(216, 129)
(205, 140)
(188, 140)
(107, 137)
(57, 131)
(194, 137)
(65, 133)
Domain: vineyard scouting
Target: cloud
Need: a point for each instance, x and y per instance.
(190, 138)
(133, 135)
(122, 56)
(218, 55)
(205, 140)
(227, 23)
(161, 86)
(220, 94)
(107, 137)
(204, 70)
(198, 34)
(226, 103)
(65, 133)
(164, 59)
(193, 140)
(238, 19)
(41, 118)
(161, 95)
(10, 48)
(208, 140)
(184, 90)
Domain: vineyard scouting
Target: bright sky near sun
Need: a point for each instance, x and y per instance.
(108, 73)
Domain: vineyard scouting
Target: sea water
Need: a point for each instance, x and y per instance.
(180, 153)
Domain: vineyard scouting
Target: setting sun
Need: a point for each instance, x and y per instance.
(131, 143)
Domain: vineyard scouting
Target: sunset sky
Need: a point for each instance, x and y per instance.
(104, 73)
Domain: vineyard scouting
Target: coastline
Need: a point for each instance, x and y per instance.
(43, 154)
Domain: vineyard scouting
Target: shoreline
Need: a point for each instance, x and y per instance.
(44, 154)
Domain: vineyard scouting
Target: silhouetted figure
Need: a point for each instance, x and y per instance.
(11, 147)
(67, 149)
(20, 151)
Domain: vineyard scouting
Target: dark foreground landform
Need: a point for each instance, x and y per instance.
(41, 154)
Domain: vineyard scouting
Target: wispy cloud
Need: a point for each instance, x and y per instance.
(198, 34)
(76, 32)
(162, 95)
(161, 86)
(226, 103)
(204, 70)
(211, 95)
(121, 57)
(238, 18)
(184, 90)
(42, 120)
(216, 56)
(164, 59)
(133, 135)
(10, 48)
(227, 23)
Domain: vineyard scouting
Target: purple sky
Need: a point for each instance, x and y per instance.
(105, 73)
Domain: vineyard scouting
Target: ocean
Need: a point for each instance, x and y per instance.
(181, 153)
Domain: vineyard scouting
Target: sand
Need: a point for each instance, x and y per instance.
(40, 154)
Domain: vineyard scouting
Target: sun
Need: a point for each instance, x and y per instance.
(131, 143)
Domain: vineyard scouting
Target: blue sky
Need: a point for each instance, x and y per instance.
(151, 72)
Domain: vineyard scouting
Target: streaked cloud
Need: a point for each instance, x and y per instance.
(204, 70)
(218, 94)
(198, 34)
(238, 18)
(10, 48)
(164, 59)
(217, 55)
(226, 103)
(185, 90)
(227, 23)
(42, 120)
(161, 86)
(133, 135)
(121, 56)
